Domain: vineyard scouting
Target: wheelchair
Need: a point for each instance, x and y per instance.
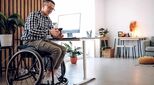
(28, 65)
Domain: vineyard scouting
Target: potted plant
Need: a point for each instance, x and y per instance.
(73, 51)
(103, 32)
(8, 25)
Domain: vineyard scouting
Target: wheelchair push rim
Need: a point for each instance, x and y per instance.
(20, 71)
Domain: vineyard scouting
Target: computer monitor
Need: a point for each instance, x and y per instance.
(70, 23)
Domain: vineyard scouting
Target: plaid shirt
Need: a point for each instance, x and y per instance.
(36, 27)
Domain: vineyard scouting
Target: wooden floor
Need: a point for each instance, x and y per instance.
(109, 71)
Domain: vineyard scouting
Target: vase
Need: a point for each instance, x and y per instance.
(73, 60)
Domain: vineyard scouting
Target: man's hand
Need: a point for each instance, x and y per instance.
(60, 36)
(56, 33)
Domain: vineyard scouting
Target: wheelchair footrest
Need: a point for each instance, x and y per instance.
(63, 81)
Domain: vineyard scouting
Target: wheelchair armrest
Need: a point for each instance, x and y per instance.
(42, 53)
(23, 46)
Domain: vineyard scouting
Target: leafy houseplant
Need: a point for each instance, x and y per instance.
(8, 25)
(73, 51)
(103, 32)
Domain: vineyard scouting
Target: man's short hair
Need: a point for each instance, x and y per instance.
(44, 1)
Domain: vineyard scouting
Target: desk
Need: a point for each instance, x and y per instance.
(85, 80)
(123, 40)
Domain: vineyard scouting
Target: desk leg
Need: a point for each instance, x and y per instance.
(85, 80)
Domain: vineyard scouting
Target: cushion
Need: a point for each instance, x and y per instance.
(149, 49)
(146, 60)
(152, 41)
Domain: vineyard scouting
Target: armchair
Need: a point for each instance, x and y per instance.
(149, 47)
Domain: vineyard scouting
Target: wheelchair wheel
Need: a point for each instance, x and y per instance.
(59, 75)
(24, 68)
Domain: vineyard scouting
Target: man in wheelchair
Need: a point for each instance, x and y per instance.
(37, 26)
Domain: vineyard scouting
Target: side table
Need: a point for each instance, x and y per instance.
(0, 62)
(4, 58)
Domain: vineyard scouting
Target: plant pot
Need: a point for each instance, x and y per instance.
(73, 60)
(5, 40)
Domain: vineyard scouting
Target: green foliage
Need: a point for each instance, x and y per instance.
(103, 31)
(73, 51)
(9, 24)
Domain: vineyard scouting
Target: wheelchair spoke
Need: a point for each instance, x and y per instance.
(26, 68)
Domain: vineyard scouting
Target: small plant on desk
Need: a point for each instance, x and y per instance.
(73, 51)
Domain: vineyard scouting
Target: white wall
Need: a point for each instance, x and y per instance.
(87, 10)
(99, 21)
(119, 14)
(85, 7)
(115, 15)
(99, 14)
